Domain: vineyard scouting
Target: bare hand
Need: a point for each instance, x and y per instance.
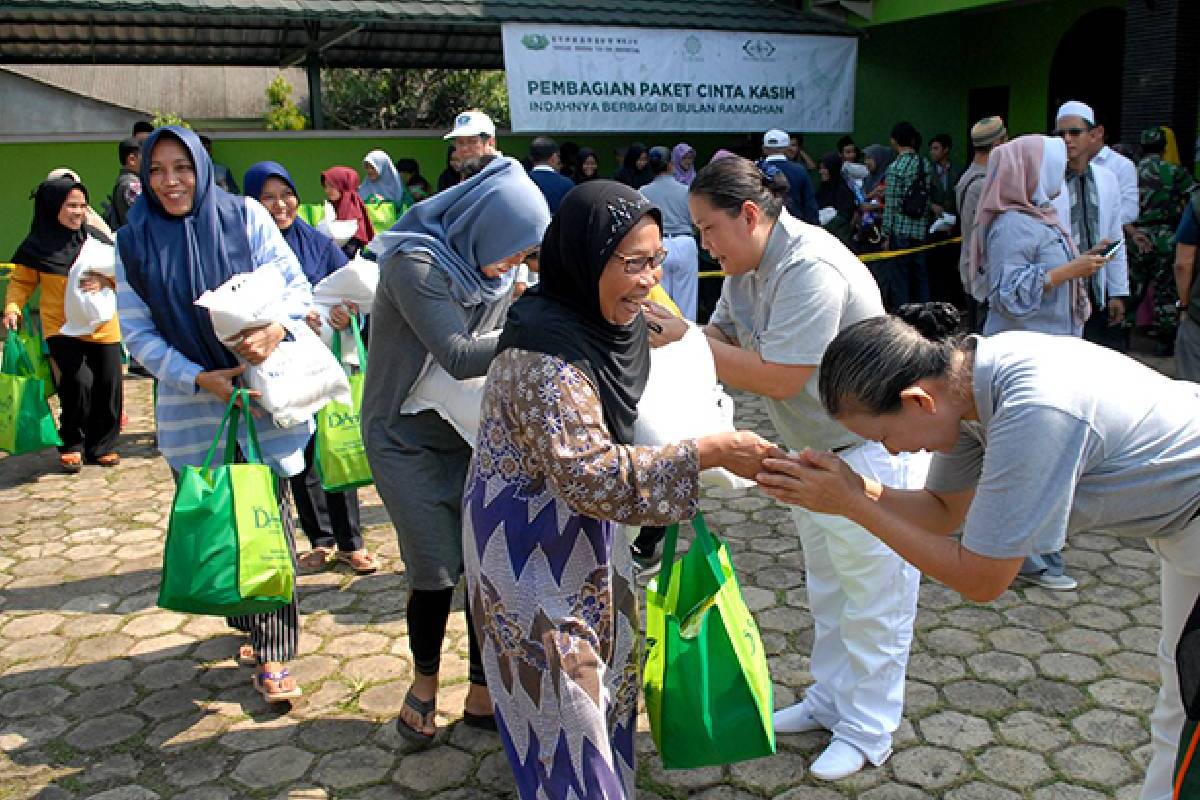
(339, 315)
(743, 453)
(1116, 310)
(258, 343)
(12, 321)
(1086, 265)
(817, 481)
(313, 320)
(664, 326)
(220, 383)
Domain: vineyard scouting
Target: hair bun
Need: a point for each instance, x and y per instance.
(935, 320)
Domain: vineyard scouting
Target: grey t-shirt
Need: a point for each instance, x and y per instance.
(1071, 437)
(671, 197)
(807, 289)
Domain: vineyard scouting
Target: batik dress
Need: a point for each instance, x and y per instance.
(550, 579)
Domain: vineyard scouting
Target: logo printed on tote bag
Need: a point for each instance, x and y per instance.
(342, 418)
(265, 519)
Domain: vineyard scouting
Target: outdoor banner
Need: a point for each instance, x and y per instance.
(583, 78)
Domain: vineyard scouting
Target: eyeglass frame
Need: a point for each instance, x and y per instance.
(1062, 133)
(647, 262)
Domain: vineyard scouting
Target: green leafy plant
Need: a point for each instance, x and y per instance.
(162, 118)
(282, 112)
(410, 98)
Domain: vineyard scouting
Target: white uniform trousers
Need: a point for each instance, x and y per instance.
(863, 599)
(681, 273)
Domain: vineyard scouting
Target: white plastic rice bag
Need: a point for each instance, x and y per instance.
(340, 230)
(247, 300)
(87, 311)
(298, 378)
(356, 283)
(683, 400)
(457, 402)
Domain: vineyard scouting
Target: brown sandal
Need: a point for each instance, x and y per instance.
(71, 462)
(246, 656)
(316, 560)
(108, 460)
(363, 562)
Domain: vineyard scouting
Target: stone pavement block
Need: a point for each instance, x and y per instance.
(273, 767)
(102, 732)
(1010, 766)
(929, 768)
(432, 770)
(353, 766)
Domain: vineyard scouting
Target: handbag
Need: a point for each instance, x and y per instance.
(915, 202)
(341, 456)
(26, 424)
(382, 213)
(30, 334)
(226, 552)
(706, 681)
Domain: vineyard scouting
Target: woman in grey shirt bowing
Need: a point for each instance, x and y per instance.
(1030, 449)
(444, 282)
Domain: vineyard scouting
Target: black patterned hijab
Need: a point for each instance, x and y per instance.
(561, 316)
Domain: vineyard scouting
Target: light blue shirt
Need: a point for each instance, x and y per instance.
(1020, 251)
(188, 417)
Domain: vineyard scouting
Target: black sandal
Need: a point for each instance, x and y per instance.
(423, 707)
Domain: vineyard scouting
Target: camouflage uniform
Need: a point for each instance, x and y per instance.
(1162, 195)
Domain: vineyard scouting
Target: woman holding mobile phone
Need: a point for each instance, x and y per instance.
(1036, 278)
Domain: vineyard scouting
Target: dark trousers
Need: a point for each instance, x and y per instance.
(1097, 330)
(902, 279)
(89, 392)
(327, 518)
(428, 610)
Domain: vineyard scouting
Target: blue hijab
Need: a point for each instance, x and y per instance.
(389, 185)
(318, 254)
(170, 261)
(493, 215)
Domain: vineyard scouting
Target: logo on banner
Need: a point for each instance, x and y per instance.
(535, 41)
(759, 49)
(691, 46)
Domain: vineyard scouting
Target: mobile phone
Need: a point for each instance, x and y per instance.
(1112, 249)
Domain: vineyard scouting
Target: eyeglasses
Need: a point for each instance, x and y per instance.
(1065, 132)
(636, 265)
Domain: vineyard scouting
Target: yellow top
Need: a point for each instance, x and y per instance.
(21, 285)
(659, 295)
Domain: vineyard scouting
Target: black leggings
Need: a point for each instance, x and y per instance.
(89, 393)
(428, 611)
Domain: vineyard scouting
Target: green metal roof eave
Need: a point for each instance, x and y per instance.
(747, 15)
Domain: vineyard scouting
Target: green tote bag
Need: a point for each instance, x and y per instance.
(26, 424)
(341, 455)
(226, 552)
(707, 687)
(35, 346)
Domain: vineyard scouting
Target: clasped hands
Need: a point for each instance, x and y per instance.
(817, 481)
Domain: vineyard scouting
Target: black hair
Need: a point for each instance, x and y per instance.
(727, 183)
(142, 126)
(541, 149)
(126, 148)
(944, 140)
(844, 142)
(873, 361)
(906, 135)
(408, 165)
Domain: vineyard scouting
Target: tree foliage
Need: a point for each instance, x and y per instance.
(164, 118)
(410, 98)
(282, 112)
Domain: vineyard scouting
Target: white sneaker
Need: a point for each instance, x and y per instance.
(1058, 583)
(795, 719)
(838, 761)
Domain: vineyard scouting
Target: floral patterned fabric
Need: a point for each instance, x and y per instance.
(551, 592)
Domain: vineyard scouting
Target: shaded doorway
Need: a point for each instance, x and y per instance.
(1088, 66)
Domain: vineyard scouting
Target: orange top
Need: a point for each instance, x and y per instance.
(21, 285)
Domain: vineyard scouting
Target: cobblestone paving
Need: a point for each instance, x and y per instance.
(1039, 695)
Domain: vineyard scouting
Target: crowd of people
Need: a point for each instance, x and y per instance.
(554, 284)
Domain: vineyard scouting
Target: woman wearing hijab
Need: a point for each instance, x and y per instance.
(550, 585)
(588, 168)
(683, 161)
(341, 189)
(93, 219)
(834, 192)
(330, 520)
(444, 284)
(186, 236)
(635, 169)
(384, 182)
(89, 366)
(1036, 279)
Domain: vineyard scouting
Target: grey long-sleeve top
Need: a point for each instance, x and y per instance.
(414, 315)
(1020, 251)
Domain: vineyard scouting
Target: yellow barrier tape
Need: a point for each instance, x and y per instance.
(868, 257)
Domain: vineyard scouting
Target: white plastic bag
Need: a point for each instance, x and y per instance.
(87, 311)
(247, 300)
(683, 400)
(340, 230)
(457, 402)
(356, 283)
(298, 378)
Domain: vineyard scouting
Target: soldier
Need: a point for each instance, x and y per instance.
(1162, 195)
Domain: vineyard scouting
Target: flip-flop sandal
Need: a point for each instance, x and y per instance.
(365, 564)
(484, 722)
(71, 463)
(316, 560)
(423, 707)
(279, 695)
(246, 657)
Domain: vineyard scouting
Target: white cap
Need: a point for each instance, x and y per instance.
(776, 138)
(1074, 108)
(472, 123)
